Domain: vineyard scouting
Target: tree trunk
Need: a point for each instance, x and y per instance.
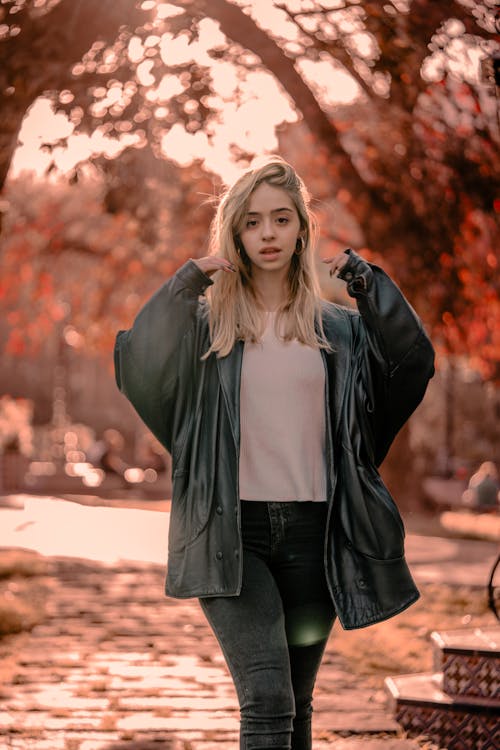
(13, 113)
(372, 207)
(239, 27)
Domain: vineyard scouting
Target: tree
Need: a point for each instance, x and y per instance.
(40, 44)
(412, 160)
(67, 262)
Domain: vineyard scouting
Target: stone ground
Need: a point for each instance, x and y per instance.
(115, 666)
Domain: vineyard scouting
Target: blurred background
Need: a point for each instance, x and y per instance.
(121, 123)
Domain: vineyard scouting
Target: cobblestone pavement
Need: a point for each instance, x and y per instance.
(117, 666)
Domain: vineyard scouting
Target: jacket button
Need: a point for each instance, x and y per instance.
(236, 553)
(348, 544)
(348, 276)
(219, 555)
(362, 583)
(219, 510)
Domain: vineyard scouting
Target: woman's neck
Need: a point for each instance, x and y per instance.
(272, 292)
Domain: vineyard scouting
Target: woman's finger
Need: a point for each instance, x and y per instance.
(210, 264)
(336, 263)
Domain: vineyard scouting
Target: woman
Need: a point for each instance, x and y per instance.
(277, 407)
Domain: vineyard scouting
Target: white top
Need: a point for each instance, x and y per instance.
(282, 418)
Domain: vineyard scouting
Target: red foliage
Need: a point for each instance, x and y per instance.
(65, 261)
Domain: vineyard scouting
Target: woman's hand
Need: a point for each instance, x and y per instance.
(210, 264)
(337, 263)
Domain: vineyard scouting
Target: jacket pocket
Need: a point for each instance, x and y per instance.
(189, 512)
(370, 518)
(385, 498)
(177, 527)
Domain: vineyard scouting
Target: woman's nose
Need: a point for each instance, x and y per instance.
(267, 229)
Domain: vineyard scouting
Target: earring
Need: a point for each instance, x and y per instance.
(299, 246)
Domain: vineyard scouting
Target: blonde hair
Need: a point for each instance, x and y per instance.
(234, 310)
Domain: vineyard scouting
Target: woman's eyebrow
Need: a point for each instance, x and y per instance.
(274, 211)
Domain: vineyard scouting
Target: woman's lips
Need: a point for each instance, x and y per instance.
(270, 252)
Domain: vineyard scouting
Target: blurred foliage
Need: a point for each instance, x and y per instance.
(413, 161)
(24, 587)
(69, 262)
(15, 563)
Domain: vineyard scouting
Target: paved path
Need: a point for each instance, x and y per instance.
(117, 666)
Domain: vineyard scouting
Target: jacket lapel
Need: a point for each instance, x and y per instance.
(229, 368)
(337, 363)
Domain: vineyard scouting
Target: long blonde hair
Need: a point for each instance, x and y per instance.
(235, 312)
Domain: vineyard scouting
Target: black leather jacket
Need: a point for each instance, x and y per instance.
(376, 377)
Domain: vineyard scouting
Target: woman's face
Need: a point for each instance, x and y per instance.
(271, 228)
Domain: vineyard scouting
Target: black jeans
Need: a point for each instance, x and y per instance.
(274, 633)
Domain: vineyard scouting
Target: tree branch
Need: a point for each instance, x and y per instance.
(340, 54)
(242, 29)
(41, 57)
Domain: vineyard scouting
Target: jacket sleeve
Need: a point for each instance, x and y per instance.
(146, 356)
(397, 355)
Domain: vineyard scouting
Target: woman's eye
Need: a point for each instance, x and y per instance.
(252, 223)
(283, 220)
